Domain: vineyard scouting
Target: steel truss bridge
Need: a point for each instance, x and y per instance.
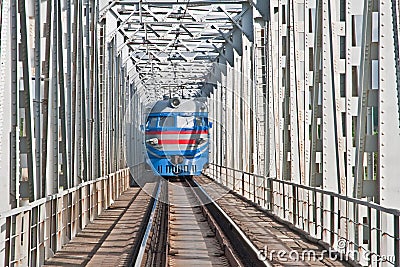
(304, 95)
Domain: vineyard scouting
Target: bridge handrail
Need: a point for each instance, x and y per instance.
(33, 233)
(322, 191)
(241, 171)
(346, 198)
(39, 202)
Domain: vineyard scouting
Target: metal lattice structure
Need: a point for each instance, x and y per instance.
(56, 111)
(304, 95)
(320, 111)
(173, 44)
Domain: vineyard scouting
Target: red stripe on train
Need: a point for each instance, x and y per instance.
(177, 142)
(178, 132)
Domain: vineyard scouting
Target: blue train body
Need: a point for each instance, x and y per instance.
(177, 137)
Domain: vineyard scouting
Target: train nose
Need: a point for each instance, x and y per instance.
(176, 159)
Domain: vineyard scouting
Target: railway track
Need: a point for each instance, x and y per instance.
(192, 240)
(188, 223)
(193, 236)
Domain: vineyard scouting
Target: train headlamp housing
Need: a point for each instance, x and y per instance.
(175, 102)
(152, 141)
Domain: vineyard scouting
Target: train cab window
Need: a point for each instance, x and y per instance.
(185, 122)
(151, 122)
(200, 122)
(166, 122)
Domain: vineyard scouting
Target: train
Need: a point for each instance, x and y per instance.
(177, 137)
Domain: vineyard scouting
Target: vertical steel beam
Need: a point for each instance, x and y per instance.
(260, 80)
(389, 132)
(106, 116)
(38, 179)
(297, 58)
(78, 159)
(45, 101)
(64, 176)
(84, 89)
(338, 172)
(288, 73)
(88, 90)
(230, 117)
(96, 89)
(102, 97)
(52, 173)
(365, 86)
(331, 171)
(277, 84)
(75, 160)
(308, 82)
(26, 97)
(271, 83)
(84, 123)
(239, 111)
(315, 175)
(68, 88)
(115, 107)
(7, 79)
(248, 86)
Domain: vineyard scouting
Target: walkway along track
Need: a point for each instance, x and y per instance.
(113, 239)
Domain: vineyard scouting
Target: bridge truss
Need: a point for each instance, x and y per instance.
(301, 91)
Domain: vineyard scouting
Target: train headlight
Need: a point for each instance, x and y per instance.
(175, 102)
(152, 141)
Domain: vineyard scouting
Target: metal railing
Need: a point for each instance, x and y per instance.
(252, 186)
(360, 231)
(33, 233)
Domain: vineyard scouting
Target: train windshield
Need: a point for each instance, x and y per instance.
(166, 122)
(182, 122)
(191, 122)
(151, 122)
(185, 122)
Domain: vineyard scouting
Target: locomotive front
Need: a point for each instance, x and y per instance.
(177, 137)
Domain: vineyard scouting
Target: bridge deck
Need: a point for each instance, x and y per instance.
(108, 240)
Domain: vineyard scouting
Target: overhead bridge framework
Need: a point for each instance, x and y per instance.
(304, 96)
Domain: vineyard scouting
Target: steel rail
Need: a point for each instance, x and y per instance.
(146, 226)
